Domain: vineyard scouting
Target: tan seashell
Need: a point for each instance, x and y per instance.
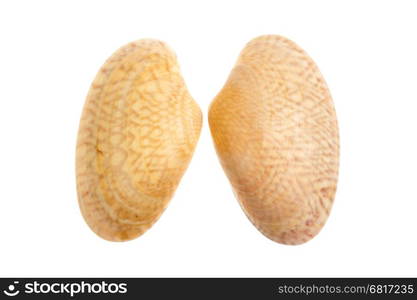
(137, 135)
(275, 131)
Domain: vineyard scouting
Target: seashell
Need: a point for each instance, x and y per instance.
(276, 134)
(137, 134)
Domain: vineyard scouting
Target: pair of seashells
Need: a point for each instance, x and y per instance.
(273, 125)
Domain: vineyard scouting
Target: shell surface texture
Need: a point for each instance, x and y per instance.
(137, 134)
(275, 131)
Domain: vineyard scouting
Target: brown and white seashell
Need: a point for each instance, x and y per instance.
(137, 134)
(276, 134)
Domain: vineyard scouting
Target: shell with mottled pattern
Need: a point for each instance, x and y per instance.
(137, 134)
(275, 132)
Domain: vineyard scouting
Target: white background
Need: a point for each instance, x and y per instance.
(50, 52)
